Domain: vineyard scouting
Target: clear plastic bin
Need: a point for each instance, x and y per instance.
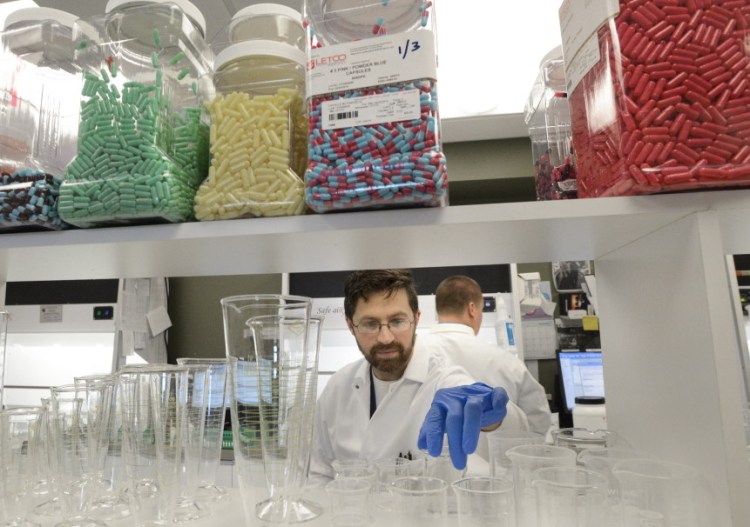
(659, 95)
(143, 136)
(548, 122)
(39, 87)
(258, 133)
(266, 21)
(374, 138)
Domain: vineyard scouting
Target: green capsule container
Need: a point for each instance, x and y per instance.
(143, 136)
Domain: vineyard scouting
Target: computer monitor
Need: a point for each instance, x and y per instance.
(582, 374)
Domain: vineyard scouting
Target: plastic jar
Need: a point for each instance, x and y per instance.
(192, 13)
(39, 86)
(258, 133)
(374, 138)
(590, 413)
(657, 109)
(548, 122)
(143, 136)
(267, 21)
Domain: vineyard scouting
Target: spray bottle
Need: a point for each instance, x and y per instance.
(505, 331)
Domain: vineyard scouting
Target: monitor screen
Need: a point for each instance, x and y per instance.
(582, 375)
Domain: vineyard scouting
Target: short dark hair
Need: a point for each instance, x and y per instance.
(362, 284)
(455, 293)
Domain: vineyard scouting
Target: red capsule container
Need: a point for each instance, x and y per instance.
(659, 94)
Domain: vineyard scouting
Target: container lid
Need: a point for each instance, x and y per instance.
(553, 67)
(268, 8)
(589, 399)
(349, 20)
(187, 6)
(267, 21)
(39, 14)
(260, 47)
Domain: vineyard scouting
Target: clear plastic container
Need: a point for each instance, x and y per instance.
(590, 413)
(39, 87)
(267, 21)
(548, 121)
(374, 138)
(658, 94)
(258, 133)
(143, 136)
(191, 11)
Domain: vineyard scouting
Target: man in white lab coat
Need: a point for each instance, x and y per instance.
(377, 406)
(459, 305)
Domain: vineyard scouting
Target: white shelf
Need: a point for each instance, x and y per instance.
(673, 367)
(485, 234)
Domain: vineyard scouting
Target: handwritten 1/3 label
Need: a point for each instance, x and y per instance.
(373, 62)
(371, 109)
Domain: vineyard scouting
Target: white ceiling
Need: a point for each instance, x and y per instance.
(217, 12)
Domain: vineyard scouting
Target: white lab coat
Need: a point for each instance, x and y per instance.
(344, 430)
(490, 364)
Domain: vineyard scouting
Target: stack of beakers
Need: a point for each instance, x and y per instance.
(16, 465)
(272, 346)
(162, 434)
(213, 426)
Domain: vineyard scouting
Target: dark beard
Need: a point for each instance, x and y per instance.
(390, 365)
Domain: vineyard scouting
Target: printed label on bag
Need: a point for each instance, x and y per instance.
(371, 109)
(588, 57)
(375, 61)
(579, 22)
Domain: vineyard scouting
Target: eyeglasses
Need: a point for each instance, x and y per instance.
(372, 327)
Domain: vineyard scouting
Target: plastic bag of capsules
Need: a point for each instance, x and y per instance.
(658, 93)
(143, 135)
(374, 138)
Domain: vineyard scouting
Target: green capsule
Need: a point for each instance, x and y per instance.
(183, 73)
(155, 60)
(177, 58)
(157, 38)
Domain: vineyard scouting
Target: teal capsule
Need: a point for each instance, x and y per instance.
(177, 58)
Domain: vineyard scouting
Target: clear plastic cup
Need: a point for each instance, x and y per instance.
(350, 502)
(500, 441)
(420, 501)
(485, 502)
(570, 496)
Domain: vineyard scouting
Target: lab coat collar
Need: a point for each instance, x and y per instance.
(416, 370)
(451, 327)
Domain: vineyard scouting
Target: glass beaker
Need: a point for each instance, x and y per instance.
(154, 403)
(245, 391)
(485, 502)
(500, 441)
(570, 497)
(581, 438)
(105, 466)
(213, 431)
(389, 469)
(72, 456)
(525, 459)
(284, 367)
(17, 473)
(305, 509)
(47, 501)
(420, 501)
(661, 493)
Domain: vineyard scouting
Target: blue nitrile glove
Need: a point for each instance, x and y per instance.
(461, 412)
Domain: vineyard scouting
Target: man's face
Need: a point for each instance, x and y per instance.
(387, 350)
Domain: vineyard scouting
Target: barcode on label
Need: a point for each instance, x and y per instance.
(343, 115)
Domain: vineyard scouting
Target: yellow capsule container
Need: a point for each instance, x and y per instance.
(258, 141)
